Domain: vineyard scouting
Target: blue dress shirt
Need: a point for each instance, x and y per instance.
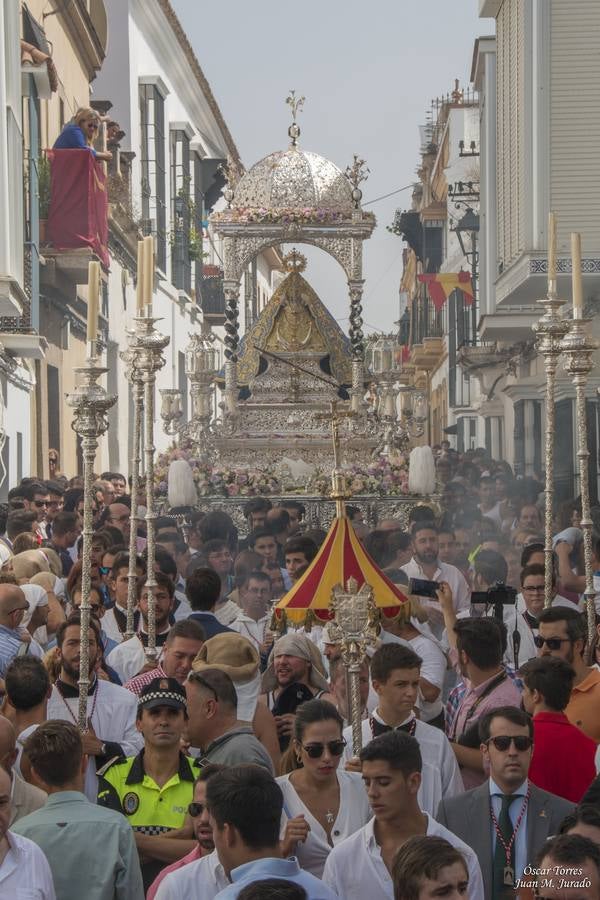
(514, 813)
(287, 869)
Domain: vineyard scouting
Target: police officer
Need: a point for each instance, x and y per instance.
(154, 788)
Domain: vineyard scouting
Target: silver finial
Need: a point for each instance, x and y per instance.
(356, 174)
(231, 173)
(295, 104)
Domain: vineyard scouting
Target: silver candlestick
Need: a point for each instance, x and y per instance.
(90, 404)
(129, 357)
(149, 359)
(550, 331)
(579, 348)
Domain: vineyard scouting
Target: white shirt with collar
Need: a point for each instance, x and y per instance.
(461, 593)
(128, 658)
(255, 631)
(24, 871)
(440, 778)
(514, 812)
(202, 879)
(354, 812)
(110, 627)
(355, 868)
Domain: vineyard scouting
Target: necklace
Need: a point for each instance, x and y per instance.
(509, 872)
(329, 817)
(251, 636)
(70, 711)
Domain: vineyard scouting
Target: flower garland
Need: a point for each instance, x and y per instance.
(284, 215)
(380, 478)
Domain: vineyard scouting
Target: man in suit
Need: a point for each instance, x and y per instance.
(203, 589)
(507, 819)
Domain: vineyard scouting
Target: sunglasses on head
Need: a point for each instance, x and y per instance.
(315, 751)
(553, 643)
(195, 809)
(502, 742)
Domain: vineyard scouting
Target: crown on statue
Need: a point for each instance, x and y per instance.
(294, 262)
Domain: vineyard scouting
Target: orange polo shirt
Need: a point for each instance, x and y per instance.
(584, 706)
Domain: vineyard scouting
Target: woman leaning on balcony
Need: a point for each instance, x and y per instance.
(80, 132)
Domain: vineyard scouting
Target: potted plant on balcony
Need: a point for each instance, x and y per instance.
(43, 169)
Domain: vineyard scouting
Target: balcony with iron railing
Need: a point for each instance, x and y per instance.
(427, 332)
(210, 293)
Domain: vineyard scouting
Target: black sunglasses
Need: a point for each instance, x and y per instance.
(553, 643)
(195, 809)
(502, 742)
(315, 751)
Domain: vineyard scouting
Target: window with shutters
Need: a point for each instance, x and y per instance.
(182, 207)
(154, 210)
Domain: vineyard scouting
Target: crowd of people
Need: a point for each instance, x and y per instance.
(225, 766)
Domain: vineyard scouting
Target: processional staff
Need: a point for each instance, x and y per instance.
(579, 348)
(146, 359)
(90, 404)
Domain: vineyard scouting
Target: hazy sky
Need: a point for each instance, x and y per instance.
(368, 71)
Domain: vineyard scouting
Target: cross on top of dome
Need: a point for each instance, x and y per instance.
(296, 104)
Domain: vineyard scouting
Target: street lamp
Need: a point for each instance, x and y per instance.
(469, 225)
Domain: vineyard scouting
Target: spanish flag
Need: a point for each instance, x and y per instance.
(441, 285)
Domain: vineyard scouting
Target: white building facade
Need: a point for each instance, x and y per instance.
(176, 139)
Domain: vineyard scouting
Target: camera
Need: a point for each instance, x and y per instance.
(498, 596)
(420, 587)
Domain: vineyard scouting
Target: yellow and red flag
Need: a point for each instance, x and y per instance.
(342, 556)
(441, 284)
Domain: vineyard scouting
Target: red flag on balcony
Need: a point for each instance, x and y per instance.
(441, 284)
(78, 214)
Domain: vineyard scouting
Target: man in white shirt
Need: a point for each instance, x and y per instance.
(114, 620)
(433, 664)
(488, 505)
(253, 622)
(425, 564)
(395, 675)
(128, 657)
(24, 870)
(199, 880)
(111, 710)
(361, 865)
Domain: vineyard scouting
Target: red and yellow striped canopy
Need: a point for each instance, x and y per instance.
(341, 557)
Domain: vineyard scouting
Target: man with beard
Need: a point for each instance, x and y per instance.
(562, 633)
(173, 883)
(111, 710)
(426, 564)
(154, 788)
(127, 658)
(294, 674)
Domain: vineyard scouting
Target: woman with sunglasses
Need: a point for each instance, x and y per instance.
(80, 133)
(322, 804)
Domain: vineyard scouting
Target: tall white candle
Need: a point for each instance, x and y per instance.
(148, 269)
(93, 300)
(139, 292)
(551, 247)
(576, 275)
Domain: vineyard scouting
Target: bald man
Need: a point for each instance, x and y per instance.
(25, 797)
(14, 641)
